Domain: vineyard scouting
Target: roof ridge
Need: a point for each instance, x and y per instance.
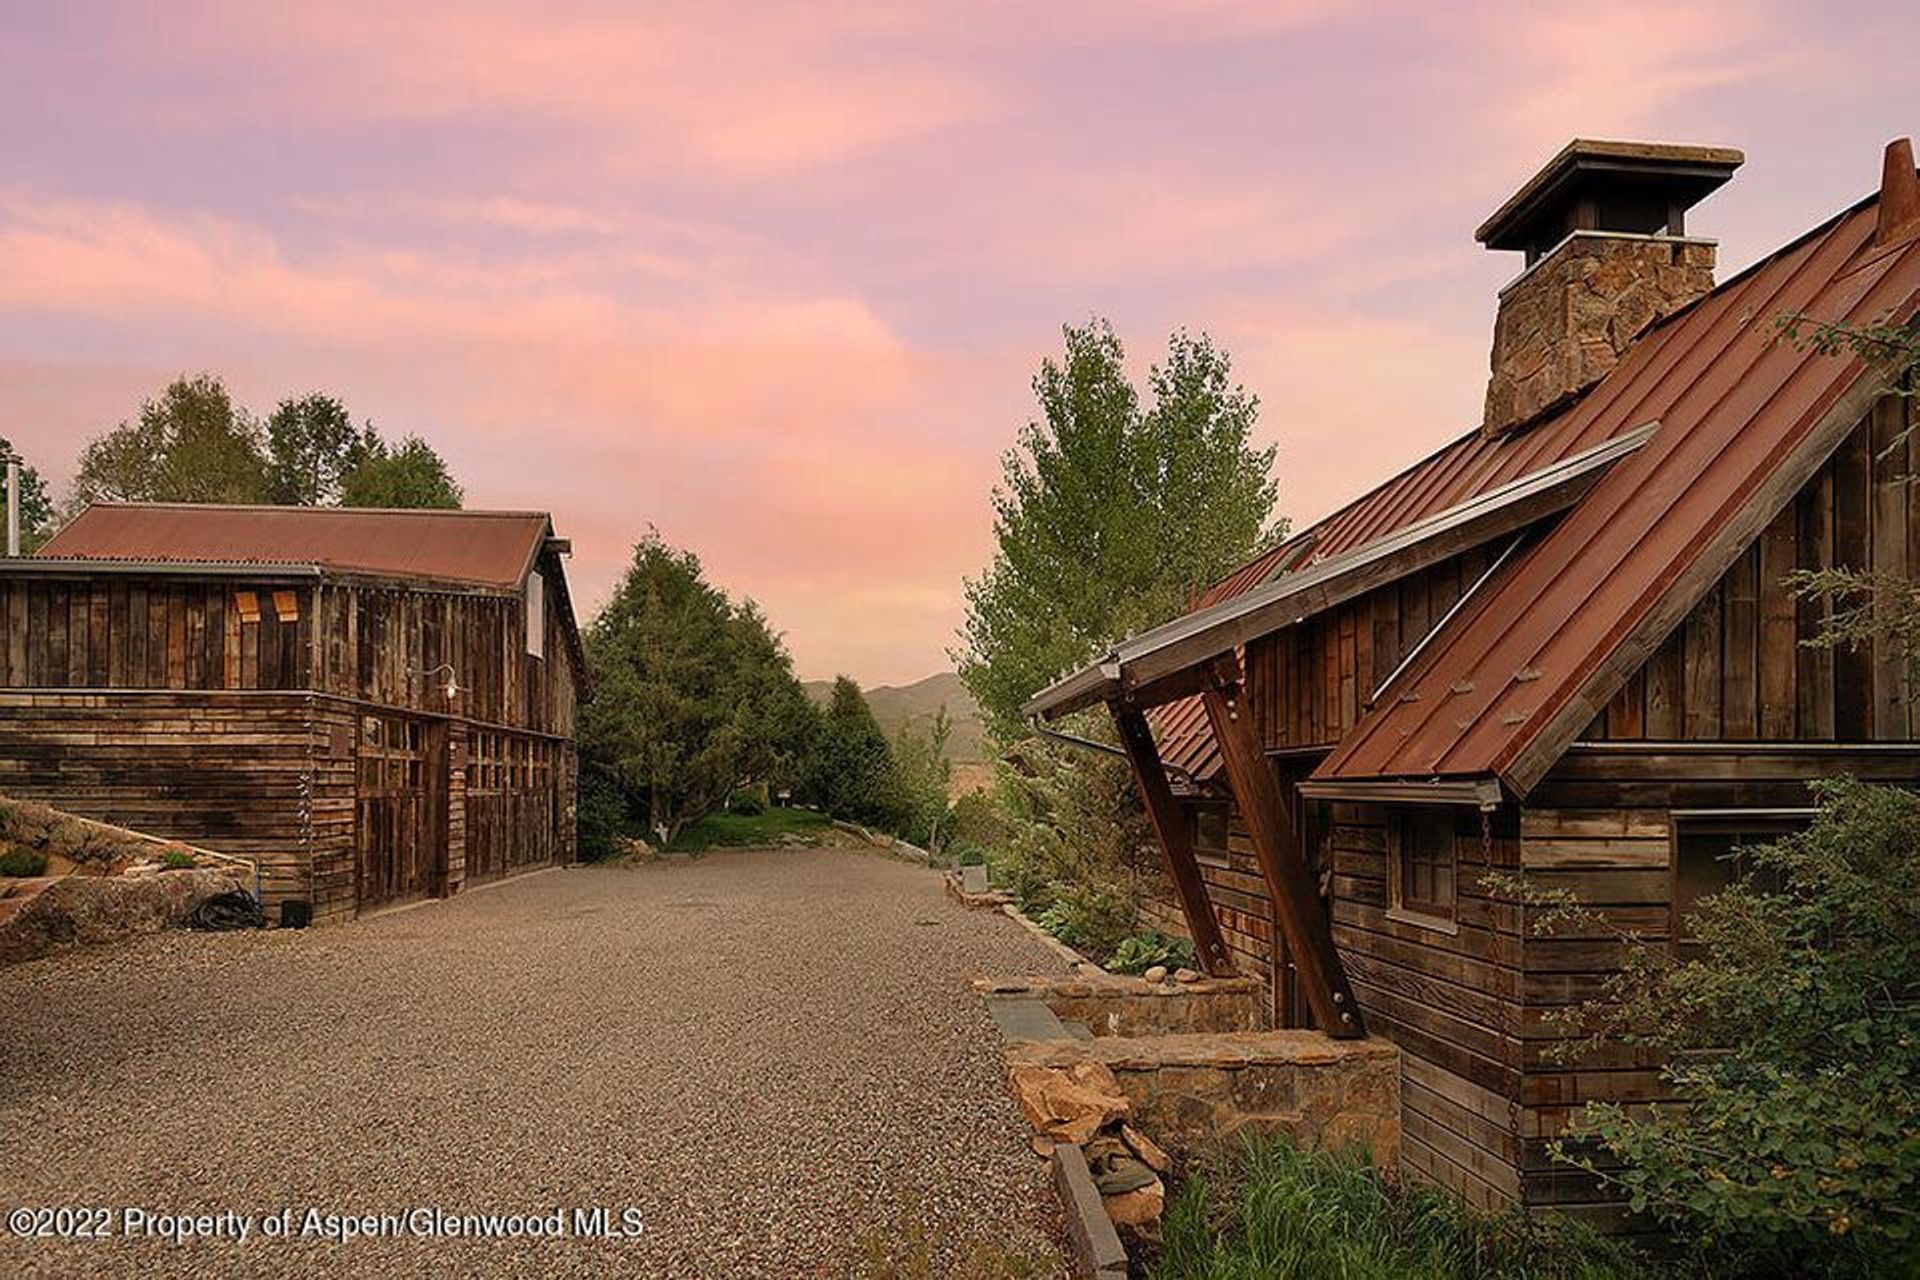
(484, 512)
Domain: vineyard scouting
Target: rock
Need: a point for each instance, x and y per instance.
(1186, 975)
(143, 869)
(1042, 1145)
(1070, 1105)
(1146, 1148)
(1158, 973)
(1140, 1208)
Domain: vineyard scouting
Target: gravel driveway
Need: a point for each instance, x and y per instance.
(770, 1056)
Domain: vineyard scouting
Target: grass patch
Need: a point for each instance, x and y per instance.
(1271, 1209)
(732, 830)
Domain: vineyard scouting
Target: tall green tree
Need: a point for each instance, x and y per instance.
(191, 443)
(407, 474)
(925, 779)
(686, 689)
(1110, 515)
(312, 447)
(36, 508)
(850, 771)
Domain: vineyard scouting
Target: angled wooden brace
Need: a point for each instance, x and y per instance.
(1270, 825)
(1176, 842)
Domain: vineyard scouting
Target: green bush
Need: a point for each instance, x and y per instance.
(600, 814)
(747, 803)
(1792, 1040)
(1091, 918)
(1142, 951)
(1281, 1211)
(971, 856)
(177, 860)
(23, 862)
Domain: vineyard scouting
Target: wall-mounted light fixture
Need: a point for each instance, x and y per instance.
(452, 686)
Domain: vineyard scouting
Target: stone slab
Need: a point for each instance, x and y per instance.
(1098, 1253)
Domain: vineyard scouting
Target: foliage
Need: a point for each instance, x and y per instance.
(1071, 829)
(1109, 516)
(1142, 951)
(684, 682)
(924, 779)
(189, 444)
(36, 508)
(600, 813)
(23, 862)
(1791, 1037)
(312, 446)
(969, 855)
(193, 444)
(737, 830)
(1283, 1211)
(408, 474)
(177, 859)
(850, 770)
(746, 802)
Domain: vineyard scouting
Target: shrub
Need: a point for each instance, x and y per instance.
(1792, 1039)
(970, 856)
(1282, 1211)
(23, 862)
(747, 803)
(600, 815)
(1091, 918)
(1143, 951)
(177, 859)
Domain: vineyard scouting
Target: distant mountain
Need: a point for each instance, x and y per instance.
(917, 703)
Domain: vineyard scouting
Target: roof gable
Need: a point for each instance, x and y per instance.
(1513, 679)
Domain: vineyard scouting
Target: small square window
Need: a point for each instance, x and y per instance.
(1422, 864)
(1707, 858)
(1208, 828)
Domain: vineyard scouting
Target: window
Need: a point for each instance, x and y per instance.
(1421, 864)
(1208, 827)
(1706, 855)
(536, 614)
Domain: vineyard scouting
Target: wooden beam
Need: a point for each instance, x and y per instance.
(1176, 842)
(1269, 818)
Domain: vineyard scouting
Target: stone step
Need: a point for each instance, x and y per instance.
(1024, 1018)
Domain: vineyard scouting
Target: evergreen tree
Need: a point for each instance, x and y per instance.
(850, 772)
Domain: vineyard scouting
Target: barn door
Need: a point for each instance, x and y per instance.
(401, 809)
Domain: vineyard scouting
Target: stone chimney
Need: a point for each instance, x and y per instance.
(1603, 227)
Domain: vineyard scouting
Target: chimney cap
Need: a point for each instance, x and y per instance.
(1662, 176)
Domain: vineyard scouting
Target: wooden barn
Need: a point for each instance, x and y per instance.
(376, 705)
(1562, 645)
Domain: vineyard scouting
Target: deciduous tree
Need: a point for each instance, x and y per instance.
(408, 474)
(1108, 517)
(312, 447)
(191, 443)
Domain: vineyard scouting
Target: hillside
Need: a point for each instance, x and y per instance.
(895, 705)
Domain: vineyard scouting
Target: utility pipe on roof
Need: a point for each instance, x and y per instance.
(1091, 744)
(13, 503)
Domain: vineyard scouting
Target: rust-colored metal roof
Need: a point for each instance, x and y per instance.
(1517, 675)
(1695, 373)
(484, 548)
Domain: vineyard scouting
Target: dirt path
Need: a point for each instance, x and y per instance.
(771, 1057)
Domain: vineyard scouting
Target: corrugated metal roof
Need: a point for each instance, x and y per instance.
(1694, 365)
(1516, 676)
(485, 548)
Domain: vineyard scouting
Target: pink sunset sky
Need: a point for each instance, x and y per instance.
(774, 278)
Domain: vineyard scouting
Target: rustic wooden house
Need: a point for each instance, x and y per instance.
(376, 705)
(1561, 646)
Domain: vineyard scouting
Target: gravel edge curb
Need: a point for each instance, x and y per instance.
(1097, 1250)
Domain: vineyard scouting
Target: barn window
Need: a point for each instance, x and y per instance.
(1707, 857)
(536, 614)
(1422, 864)
(1208, 826)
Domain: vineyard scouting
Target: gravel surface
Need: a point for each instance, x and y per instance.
(772, 1056)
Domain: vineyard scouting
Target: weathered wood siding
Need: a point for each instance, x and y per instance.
(1309, 683)
(1739, 669)
(249, 716)
(232, 772)
(116, 632)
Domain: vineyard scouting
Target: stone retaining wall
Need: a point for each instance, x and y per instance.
(1189, 1091)
(1114, 1005)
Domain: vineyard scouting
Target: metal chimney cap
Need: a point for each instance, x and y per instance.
(1673, 173)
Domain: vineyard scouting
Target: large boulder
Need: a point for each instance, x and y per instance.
(82, 910)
